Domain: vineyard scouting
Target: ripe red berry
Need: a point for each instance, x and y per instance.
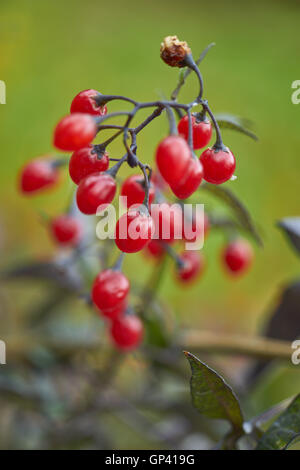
(127, 332)
(193, 265)
(202, 130)
(66, 230)
(85, 102)
(85, 161)
(133, 231)
(134, 189)
(109, 292)
(237, 256)
(218, 165)
(190, 182)
(37, 175)
(173, 157)
(155, 249)
(95, 190)
(167, 220)
(74, 132)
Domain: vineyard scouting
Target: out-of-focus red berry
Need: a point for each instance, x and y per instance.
(127, 332)
(66, 230)
(193, 265)
(37, 175)
(237, 256)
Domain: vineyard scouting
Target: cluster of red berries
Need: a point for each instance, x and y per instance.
(141, 226)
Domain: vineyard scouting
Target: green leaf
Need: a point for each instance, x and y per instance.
(241, 212)
(291, 227)
(212, 396)
(284, 430)
(227, 121)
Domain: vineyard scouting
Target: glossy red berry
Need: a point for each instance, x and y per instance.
(155, 249)
(134, 189)
(167, 220)
(133, 231)
(85, 102)
(74, 132)
(95, 190)
(173, 157)
(218, 165)
(127, 332)
(237, 256)
(66, 230)
(38, 174)
(190, 182)
(202, 131)
(85, 161)
(193, 265)
(109, 292)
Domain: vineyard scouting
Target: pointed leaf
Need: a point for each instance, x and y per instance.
(227, 121)
(291, 227)
(212, 396)
(284, 430)
(241, 212)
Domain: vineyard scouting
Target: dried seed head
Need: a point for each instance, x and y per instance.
(173, 51)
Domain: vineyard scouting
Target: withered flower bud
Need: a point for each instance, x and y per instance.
(173, 51)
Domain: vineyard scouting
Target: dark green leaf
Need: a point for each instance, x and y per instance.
(284, 430)
(227, 121)
(291, 227)
(241, 212)
(212, 396)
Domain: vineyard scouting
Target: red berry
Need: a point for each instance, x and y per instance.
(191, 231)
(167, 220)
(218, 165)
(173, 157)
(74, 132)
(85, 161)
(66, 230)
(133, 231)
(85, 102)
(237, 256)
(133, 189)
(155, 249)
(193, 265)
(202, 131)
(37, 175)
(109, 292)
(95, 190)
(190, 181)
(127, 332)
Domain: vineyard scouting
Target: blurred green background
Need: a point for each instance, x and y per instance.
(51, 50)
